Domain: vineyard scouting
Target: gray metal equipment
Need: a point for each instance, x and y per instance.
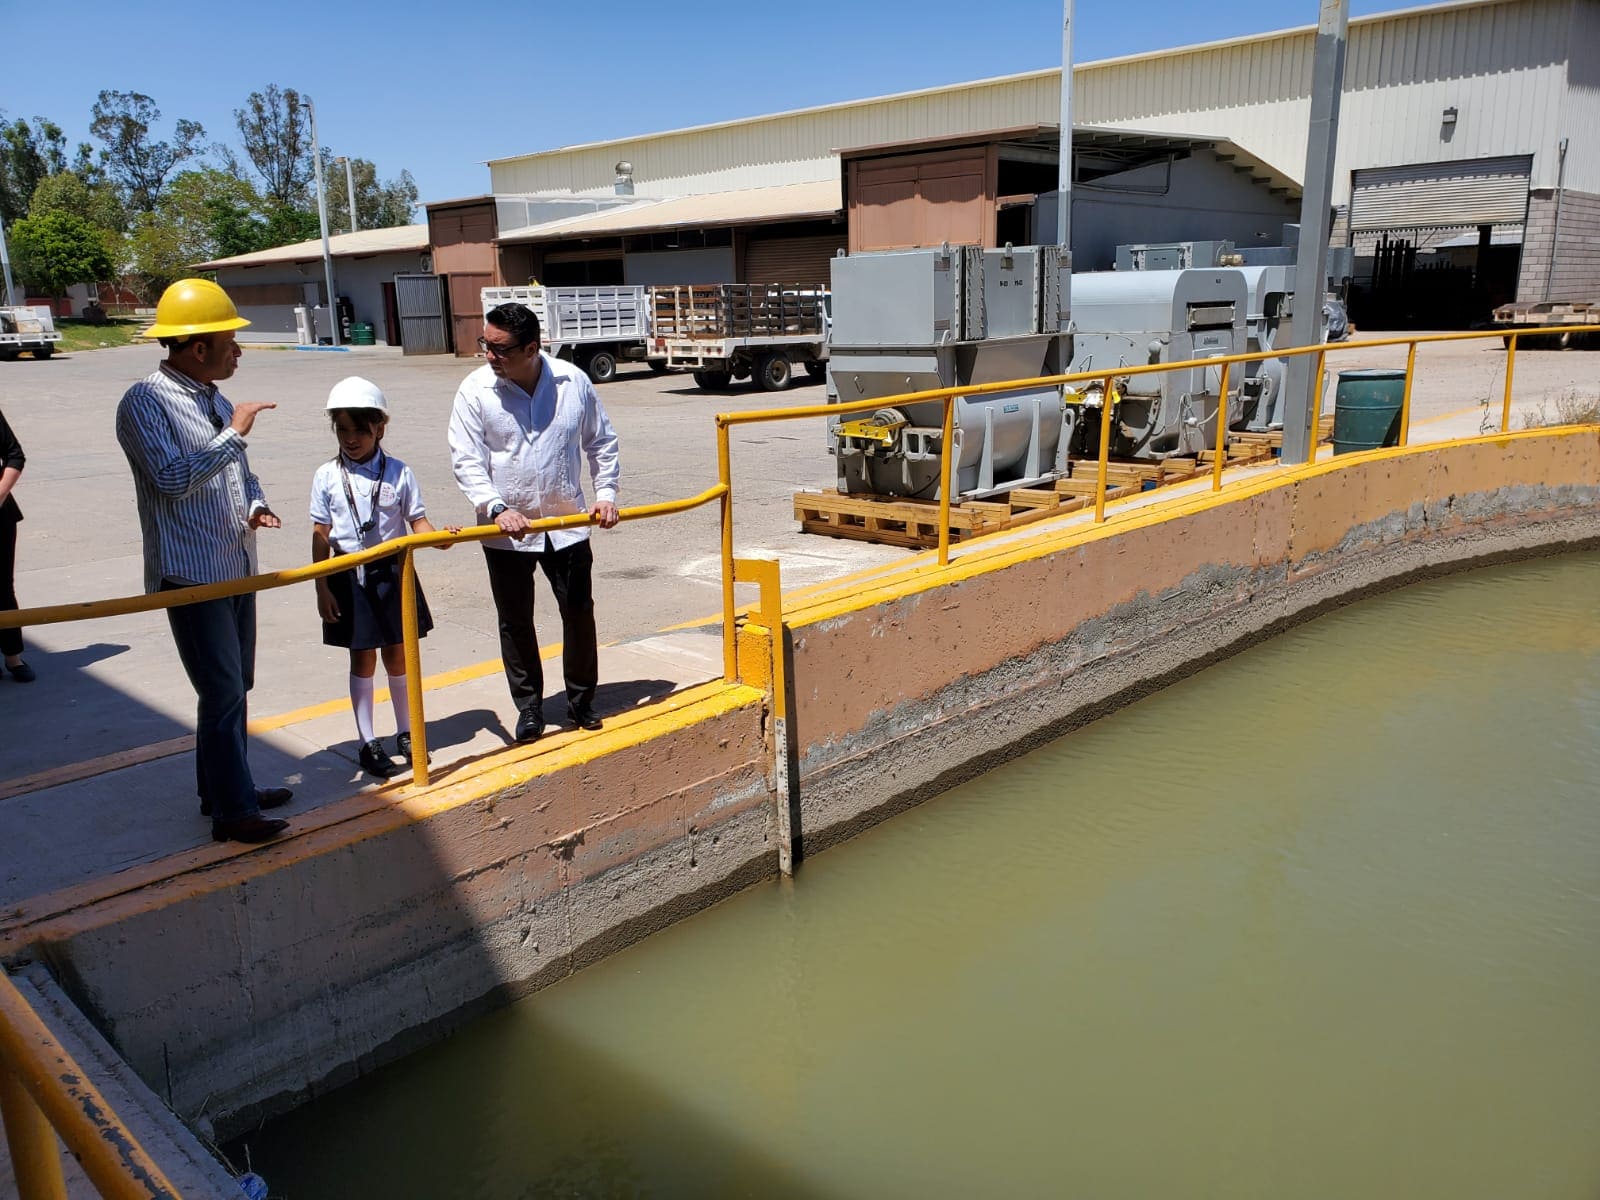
(1271, 299)
(1174, 256)
(1139, 318)
(915, 320)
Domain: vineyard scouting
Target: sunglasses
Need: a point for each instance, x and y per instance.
(496, 351)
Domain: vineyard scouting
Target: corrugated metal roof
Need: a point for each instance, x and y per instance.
(396, 239)
(1047, 72)
(792, 202)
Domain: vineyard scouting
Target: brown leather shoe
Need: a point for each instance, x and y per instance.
(247, 829)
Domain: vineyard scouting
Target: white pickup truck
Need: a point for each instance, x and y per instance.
(728, 331)
(27, 328)
(595, 327)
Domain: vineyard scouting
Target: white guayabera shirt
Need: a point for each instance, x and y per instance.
(527, 451)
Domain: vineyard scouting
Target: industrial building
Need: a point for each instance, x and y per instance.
(269, 285)
(1468, 170)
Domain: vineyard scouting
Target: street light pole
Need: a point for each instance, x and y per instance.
(350, 186)
(322, 217)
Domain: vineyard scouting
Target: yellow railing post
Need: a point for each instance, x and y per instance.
(35, 1159)
(1105, 452)
(1511, 365)
(413, 648)
(34, 1063)
(1220, 454)
(946, 475)
(765, 573)
(730, 646)
(1405, 399)
(1316, 411)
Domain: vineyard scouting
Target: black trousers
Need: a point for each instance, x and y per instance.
(569, 571)
(10, 639)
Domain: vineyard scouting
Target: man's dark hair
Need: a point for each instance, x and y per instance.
(518, 320)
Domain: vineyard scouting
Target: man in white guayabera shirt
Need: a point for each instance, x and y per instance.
(521, 426)
(199, 509)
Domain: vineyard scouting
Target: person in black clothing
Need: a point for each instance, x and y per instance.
(12, 461)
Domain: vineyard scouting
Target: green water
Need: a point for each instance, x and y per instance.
(1320, 922)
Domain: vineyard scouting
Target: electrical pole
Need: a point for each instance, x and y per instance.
(5, 265)
(350, 186)
(1301, 407)
(322, 216)
(1064, 184)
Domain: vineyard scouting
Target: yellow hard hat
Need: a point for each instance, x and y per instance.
(193, 306)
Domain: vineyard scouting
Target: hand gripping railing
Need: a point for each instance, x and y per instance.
(949, 395)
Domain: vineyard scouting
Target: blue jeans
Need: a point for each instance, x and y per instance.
(216, 642)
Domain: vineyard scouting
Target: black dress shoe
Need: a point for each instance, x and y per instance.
(585, 718)
(530, 725)
(402, 747)
(23, 673)
(265, 798)
(375, 760)
(247, 829)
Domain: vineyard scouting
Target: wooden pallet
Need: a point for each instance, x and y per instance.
(897, 521)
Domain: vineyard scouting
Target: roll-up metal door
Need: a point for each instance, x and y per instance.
(420, 299)
(1485, 191)
(793, 259)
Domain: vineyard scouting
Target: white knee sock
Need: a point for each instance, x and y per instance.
(361, 703)
(401, 702)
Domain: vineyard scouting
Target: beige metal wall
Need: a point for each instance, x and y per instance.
(1502, 64)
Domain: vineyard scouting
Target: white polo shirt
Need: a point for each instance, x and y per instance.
(394, 496)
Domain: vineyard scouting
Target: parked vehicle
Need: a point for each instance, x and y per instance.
(728, 331)
(1524, 315)
(27, 328)
(595, 327)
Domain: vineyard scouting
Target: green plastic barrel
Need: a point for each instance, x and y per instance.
(1366, 409)
(361, 334)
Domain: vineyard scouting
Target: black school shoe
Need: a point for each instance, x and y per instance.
(375, 760)
(402, 747)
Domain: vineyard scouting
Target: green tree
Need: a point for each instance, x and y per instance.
(286, 226)
(69, 192)
(275, 131)
(379, 205)
(57, 250)
(27, 155)
(135, 161)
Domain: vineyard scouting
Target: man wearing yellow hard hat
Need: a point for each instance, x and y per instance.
(199, 509)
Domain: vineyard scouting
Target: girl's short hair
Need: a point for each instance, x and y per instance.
(364, 419)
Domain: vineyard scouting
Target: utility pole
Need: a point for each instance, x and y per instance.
(350, 186)
(5, 265)
(1300, 405)
(322, 216)
(1064, 184)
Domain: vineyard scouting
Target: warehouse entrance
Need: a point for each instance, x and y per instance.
(1437, 245)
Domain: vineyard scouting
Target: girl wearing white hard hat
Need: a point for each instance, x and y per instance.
(364, 497)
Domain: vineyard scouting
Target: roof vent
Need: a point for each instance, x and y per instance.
(624, 183)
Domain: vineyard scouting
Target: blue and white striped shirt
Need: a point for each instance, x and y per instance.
(195, 490)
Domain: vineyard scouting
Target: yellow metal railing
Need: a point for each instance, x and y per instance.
(43, 1093)
(948, 397)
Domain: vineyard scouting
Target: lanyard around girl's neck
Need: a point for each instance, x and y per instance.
(364, 527)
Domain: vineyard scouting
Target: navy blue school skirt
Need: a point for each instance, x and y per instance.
(369, 612)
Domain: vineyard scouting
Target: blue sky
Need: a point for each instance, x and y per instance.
(439, 88)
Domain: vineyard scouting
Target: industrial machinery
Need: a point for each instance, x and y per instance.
(1139, 318)
(915, 320)
(30, 328)
(1175, 256)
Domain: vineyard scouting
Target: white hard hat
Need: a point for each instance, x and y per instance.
(356, 392)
